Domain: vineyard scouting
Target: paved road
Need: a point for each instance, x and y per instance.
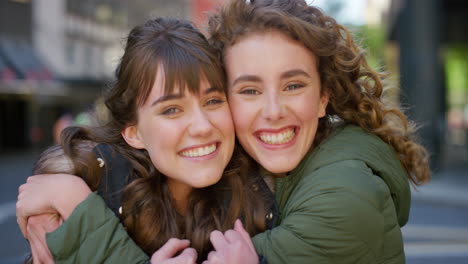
(436, 233)
(14, 169)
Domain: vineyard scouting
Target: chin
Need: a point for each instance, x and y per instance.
(276, 168)
(206, 183)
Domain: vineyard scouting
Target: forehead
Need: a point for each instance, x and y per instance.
(179, 87)
(271, 50)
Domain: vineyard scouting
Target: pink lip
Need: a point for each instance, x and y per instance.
(201, 158)
(277, 146)
(199, 146)
(275, 130)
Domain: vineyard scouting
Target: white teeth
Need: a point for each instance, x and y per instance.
(278, 138)
(198, 152)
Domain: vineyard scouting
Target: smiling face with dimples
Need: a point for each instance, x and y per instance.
(275, 98)
(189, 137)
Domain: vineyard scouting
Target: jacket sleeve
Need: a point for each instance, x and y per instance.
(93, 234)
(333, 216)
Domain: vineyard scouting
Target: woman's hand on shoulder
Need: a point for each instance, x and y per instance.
(234, 246)
(37, 227)
(49, 193)
(165, 255)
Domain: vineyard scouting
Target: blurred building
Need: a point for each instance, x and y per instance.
(56, 57)
(376, 11)
(428, 33)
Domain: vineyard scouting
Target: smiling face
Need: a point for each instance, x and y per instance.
(189, 137)
(275, 100)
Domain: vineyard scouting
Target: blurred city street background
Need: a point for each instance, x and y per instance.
(57, 57)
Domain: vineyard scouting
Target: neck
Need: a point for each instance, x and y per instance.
(180, 193)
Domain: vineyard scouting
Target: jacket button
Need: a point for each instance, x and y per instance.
(255, 187)
(269, 216)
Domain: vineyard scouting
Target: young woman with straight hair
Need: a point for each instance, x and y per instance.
(170, 120)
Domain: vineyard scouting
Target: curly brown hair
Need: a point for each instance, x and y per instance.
(149, 211)
(355, 90)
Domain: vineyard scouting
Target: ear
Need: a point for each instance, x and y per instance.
(132, 137)
(323, 105)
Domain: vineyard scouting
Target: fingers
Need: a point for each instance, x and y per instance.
(54, 222)
(232, 236)
(169, 249)
(21, 213)
(234, 246)
(48, 222)
(212, 258)
(239, 227)
(34, 253)
(245, 235)
(188, 256)
(218, 240)
(30, 179)
(21, 220)
(20, 189)
(50, 193)
(37, 241)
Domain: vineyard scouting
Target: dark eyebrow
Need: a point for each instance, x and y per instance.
(179, 96)
(167, 98)
(213, 90)
(246, 78)
(284, 75)
(293, 73)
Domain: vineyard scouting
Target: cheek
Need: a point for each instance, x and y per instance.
(153, 131)
(168, 146)
(308, 106)
(224, 121)
(241, 115)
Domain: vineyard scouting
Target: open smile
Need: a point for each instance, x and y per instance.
(277, 137)
(199, 151)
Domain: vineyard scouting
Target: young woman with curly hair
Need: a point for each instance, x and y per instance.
(170, 120)
(311, 111)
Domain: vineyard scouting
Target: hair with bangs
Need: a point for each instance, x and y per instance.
(355, 90)
(183, 66)
(149, 213)
(180, 50)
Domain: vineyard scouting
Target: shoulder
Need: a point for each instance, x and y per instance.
(338, 182)
(354, 160)
(346, 193)
(115, 171)
(351, 142)
(343, 200)
(350, 168)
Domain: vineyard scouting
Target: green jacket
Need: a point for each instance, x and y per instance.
(344, 203)
(93, 234)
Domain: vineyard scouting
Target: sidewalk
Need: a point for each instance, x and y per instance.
(448, 185)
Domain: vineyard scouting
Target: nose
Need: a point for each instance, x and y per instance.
(200, 125)
(273, 108)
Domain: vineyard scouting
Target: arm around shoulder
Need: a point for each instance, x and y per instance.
(93, 234)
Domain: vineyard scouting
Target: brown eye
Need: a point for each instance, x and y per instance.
(171, 111)
(249, 91)
(294, 86)
(214, 101)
